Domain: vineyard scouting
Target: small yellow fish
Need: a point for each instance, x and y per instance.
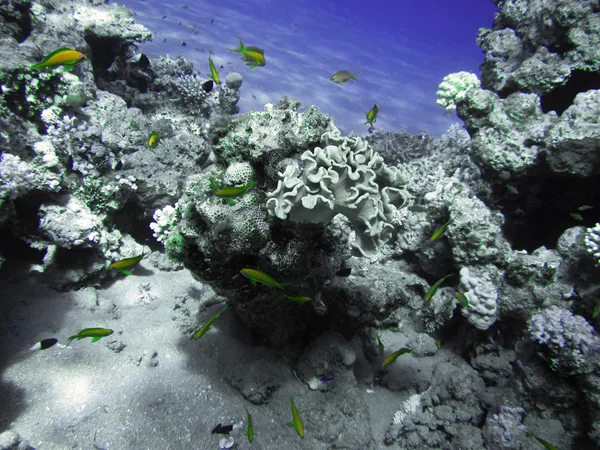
(258, 276)
(95, 333)
(343, 76)
(125, 265)
(512, 189)
(438, 233)
(438, 343)
(234, 191)
(297, 422)
(213, 71)
(299, 299)
(250, 430)
(63, 56)
(462, 299)
(204, 328)
(153, 139)
(372, 115)
(417, 208)
(547, 445)
(390, 359)
(433, 289)
(252, 56)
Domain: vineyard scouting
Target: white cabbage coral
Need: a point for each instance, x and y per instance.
(345, 177)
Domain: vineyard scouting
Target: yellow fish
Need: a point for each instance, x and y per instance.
(250, 430)
(252, 56)
(153, 139)
(258, 276)
(433, 289)
(297, 422)
(343, 76)
(438, 233)
(63, 56)
(204, 328)
(299, 299)
(234, 191)
(213, 71)
(125, 265)
(390, 359)
(372, 115)
(95, 333)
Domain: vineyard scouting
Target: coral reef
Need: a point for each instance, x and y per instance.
(349, 235)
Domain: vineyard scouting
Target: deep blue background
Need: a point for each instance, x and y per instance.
(402, 50)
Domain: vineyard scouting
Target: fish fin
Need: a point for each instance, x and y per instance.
(252, 48)
(253, 281)
(68, 67)
(230, 201)
(125, 272)
(96, 339)
(240, 49)
(293, 425)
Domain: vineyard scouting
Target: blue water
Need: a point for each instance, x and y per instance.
(402, 49)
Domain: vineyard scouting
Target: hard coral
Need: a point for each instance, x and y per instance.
(345, 177)
(568, 341)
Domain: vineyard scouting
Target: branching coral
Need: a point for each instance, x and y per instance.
(568, 341)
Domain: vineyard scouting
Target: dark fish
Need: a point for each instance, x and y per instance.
(45, 344)
(222, 429)
(163, 17)
(208, 85)
(185, 6)
(119, 165)
(344, 272)
(164, 40)
(326, 380)
(212, 21)
(183, 44)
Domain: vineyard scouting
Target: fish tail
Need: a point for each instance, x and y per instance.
(241, 48)
(353, 76)
(37, 67)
